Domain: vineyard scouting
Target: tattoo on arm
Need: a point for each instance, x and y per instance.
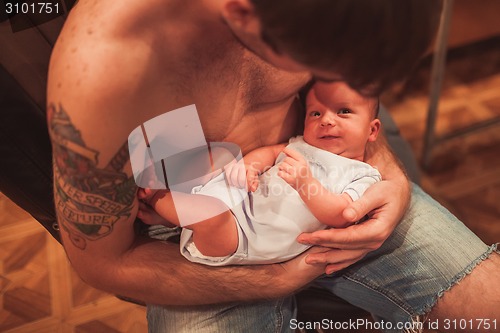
(89, 199)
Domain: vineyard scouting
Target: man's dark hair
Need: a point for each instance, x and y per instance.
(370, 43)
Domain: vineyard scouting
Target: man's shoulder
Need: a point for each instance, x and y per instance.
(96, 25)
(99, 53)
(115, 18)
(93, 68)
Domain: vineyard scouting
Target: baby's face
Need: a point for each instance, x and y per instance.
(340, 120)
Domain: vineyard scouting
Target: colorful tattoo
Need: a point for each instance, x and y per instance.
(89, 199)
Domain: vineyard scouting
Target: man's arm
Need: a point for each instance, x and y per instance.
(93, 106)
(96, 208)
(380, 155)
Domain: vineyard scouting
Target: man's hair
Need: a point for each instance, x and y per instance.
(370, 43)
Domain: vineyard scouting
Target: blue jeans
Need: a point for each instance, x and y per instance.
(428, 253)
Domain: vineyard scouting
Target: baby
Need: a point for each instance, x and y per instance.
(302, 186)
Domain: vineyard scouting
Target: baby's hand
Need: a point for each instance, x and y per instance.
(294, 169)
(242, 176)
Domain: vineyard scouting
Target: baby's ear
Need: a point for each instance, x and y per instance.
(374, 129)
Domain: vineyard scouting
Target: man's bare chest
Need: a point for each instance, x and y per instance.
(246, 102)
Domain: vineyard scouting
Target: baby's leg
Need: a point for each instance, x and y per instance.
(146, 213)
(214, 228)
(216, 236)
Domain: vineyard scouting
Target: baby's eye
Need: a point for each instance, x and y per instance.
(344, 111)
(314, 113)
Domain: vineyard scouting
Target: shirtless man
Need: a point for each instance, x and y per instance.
(119, 64)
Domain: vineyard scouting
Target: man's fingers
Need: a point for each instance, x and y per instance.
(335, 256)
(335, 259)
(368, 202)
(355, 237)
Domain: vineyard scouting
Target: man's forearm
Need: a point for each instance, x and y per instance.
(156, 273)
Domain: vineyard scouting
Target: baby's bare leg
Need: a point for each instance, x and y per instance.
(214, 228)
(217, 236)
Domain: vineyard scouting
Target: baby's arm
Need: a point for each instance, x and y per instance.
(254, 163)
(326, 206)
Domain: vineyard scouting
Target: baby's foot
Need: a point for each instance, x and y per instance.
(146, 195)
(149, 216)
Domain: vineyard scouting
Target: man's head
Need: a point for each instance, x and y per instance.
(340, 120)
(364, 42)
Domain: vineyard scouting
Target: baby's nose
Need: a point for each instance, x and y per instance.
(327, 120)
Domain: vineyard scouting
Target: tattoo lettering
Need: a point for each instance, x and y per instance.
(89, 199)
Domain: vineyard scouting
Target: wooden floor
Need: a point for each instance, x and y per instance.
(465, 172)
(40, 293)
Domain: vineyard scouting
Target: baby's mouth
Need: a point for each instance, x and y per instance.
(329, 137)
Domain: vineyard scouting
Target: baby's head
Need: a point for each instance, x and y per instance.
(340, 120)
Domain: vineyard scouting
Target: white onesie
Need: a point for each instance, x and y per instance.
(270, 219)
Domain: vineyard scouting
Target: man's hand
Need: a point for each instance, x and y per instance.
(294, 169)
(297, 270)
(384, 203)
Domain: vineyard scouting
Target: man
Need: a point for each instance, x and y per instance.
(241, 62)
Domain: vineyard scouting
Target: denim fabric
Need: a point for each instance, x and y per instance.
(428, 253)
(263, 317)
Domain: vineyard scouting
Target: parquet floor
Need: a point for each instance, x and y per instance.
(465, 172)
(39, 292)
